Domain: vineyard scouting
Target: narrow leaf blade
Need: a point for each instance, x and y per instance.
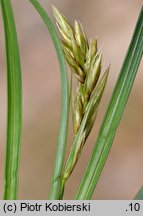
(139, 195)
(14, 112)
(114, 113)
(63, 129)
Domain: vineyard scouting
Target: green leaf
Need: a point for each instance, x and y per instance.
(14, 112)
(139, 195)
(113, 114)
(61, 145)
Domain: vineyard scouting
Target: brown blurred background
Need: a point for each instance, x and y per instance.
(113, 23)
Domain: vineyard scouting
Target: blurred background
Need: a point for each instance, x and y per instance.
(113, 23)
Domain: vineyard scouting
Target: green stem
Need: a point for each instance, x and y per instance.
(14, 113)
(61, 144)
(114, 113)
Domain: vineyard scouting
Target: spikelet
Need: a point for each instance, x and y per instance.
(85, 61)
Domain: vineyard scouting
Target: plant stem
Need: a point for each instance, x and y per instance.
(14, 112)
(63, 129)
(114, 113)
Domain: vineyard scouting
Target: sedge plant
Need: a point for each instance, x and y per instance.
(85, 62)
